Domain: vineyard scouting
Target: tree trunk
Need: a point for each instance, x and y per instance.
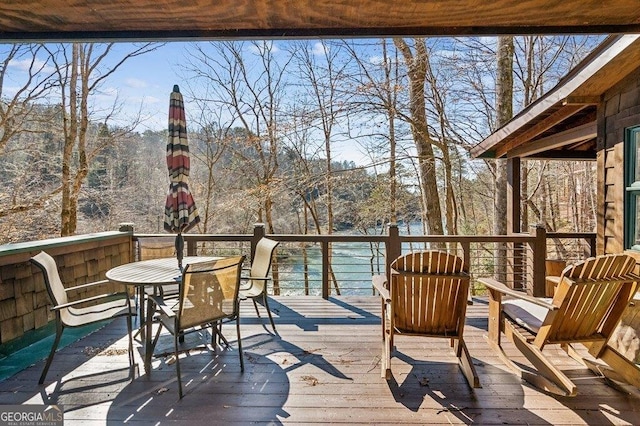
(70, 119)
(417, 68)
(391, 113)
(504, 111)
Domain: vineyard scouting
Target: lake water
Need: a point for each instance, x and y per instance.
(353, 264)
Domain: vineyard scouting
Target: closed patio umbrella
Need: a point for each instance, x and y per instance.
(180, 213)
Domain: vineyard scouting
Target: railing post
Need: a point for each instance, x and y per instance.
(258, 233)
(393, 249)
(324, 249)
(466, 257)
(537, 261)
(192, 248)
(592, 245)
(128, 227)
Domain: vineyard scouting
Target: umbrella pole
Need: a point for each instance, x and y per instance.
(179, 249)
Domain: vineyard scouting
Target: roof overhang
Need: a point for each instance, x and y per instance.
(49, 20)
(562, 123)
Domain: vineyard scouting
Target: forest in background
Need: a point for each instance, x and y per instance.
(272, 118)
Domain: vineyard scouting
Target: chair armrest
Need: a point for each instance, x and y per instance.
(378, 283)
(162, 306)
(245, 282)
(87, 285)
(553, 279)
(89, 299)
(256, 278)
(501, 288)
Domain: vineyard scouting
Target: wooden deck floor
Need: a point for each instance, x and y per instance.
(323, 368)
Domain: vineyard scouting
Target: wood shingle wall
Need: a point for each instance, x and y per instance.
(24, 302)
(621, 111)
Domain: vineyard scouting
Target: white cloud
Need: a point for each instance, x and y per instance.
(136, 83)
(25, 64)
(108, 93)
(262, 46)
(376, 60)
(151, 100)
(319, 49)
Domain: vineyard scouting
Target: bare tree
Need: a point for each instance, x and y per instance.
(24, 117)
(207, 148)
(80, 70)
(376, 86)
(248, 80)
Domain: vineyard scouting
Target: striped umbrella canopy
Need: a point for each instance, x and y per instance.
(180, 212)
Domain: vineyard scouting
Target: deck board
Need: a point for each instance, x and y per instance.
(322, 368)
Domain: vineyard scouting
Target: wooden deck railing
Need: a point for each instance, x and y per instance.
(324, 265)
(527, 254)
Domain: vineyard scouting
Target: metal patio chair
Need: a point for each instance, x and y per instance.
(80, 312)
(208, 297)
(254, 286)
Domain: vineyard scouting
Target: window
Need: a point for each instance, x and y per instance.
(632, 182)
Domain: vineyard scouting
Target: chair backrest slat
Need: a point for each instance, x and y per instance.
(55, 288)
(47, 264)
(429, 291)
(586, 295)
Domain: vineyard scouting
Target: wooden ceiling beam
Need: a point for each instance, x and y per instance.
(540, 127)
(581, 100)
(577, 134)
(47, 20)
(203, 34)
(565, 155)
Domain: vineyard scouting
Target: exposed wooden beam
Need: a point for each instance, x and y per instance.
(186, 35)
(540, 127)
(46, 20)
(581, 100)
(565, 155)
(576, 134)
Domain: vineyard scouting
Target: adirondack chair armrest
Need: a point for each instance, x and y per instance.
(501, 288)
(378, 283)
(553, 279)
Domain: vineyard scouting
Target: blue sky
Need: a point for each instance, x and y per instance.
(147, 81)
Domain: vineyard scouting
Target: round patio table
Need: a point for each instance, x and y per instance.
(152, 273)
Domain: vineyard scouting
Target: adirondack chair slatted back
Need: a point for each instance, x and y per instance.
(429, 292)
(591, 297)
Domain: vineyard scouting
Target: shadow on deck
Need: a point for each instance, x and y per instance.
(322, 368)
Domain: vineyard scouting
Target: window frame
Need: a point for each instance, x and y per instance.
(632, 186)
